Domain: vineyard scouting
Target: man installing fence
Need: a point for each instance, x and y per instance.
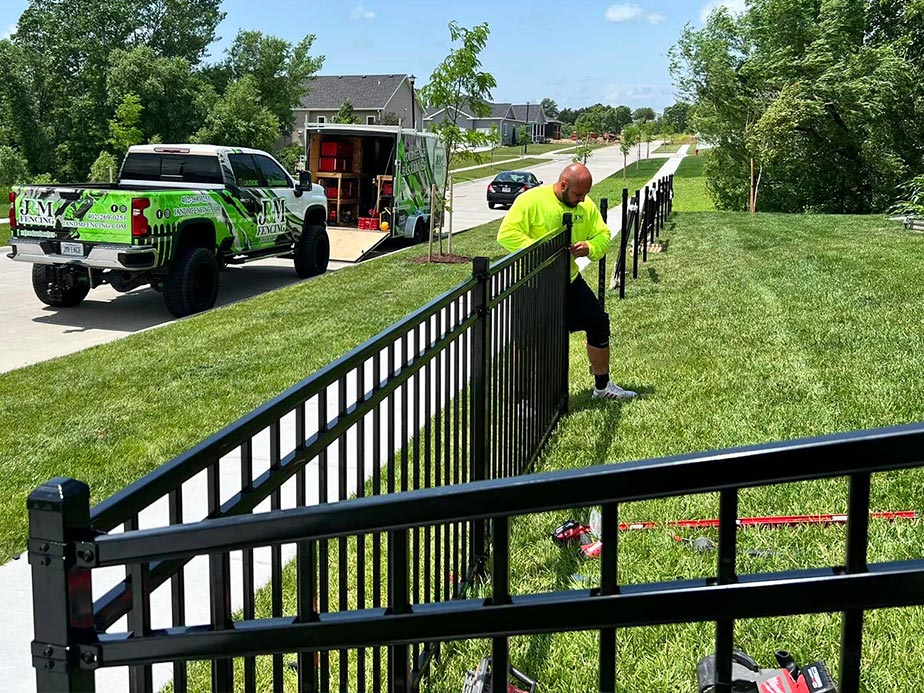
(537, 213)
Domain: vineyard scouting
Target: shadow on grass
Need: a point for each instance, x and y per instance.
(653, 275)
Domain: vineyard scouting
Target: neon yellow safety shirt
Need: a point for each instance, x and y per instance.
(537, 213)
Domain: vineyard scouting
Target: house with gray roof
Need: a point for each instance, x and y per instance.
(372, 96)
(500, 117)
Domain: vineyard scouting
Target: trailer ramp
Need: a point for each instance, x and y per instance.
(352, 245)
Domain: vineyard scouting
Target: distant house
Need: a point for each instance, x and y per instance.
(532, 115)
(372, 97)
(500, 117)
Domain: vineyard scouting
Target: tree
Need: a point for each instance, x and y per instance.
(64, 57)
(623, 116)
(240, 119)
(389, 118)
(346, 114)
(14, 169)
(280, 70)
(678, 116)
(459, 82)
(104, 169)
(647, 129)
(627, 140)
(176, 100)
(549, 107)
(123, 128)
(582, 153)
(643, 114)
(809, 105)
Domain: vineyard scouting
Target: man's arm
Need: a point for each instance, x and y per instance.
(598, 237)
(514, 229)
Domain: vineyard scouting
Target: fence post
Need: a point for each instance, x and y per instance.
(623, 240)
(635, 227)
(670, 198)
(646, 227)
(601, 269)
(568, 223)
(62, 590)
(399, 673)
(657, 214)
(480, 457)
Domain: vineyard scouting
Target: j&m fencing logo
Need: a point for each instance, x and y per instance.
(272, 220)
(36, 212)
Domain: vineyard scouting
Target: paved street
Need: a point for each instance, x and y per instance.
(35, 332)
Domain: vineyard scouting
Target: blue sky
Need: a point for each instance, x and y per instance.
(577, 53)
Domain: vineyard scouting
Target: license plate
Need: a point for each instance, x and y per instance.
(75, 249)
(506, 188)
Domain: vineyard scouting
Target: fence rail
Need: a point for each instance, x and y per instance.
(441, 398)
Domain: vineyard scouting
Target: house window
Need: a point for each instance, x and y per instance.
(321, 119)
(370, 120)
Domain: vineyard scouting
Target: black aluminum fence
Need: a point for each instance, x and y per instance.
(446, 396)
(852, 587)
(644, 216)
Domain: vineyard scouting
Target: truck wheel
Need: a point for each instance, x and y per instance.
(192, 283)
(420, 231)
(58, 286)
(312, 252)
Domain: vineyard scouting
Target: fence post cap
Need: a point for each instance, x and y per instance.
(55, 493)
(480, 264)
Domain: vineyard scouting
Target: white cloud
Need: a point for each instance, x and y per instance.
(8, 32)
(360, 12)
(627, 12)
(734, 6)
(623, 13)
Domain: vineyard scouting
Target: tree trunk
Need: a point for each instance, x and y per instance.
(751, 196)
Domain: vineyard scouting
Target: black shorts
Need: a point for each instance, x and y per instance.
(583, 313)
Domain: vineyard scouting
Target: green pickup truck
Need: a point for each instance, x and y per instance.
(176, 216)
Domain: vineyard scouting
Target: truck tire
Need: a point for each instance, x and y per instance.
(420, 231)
(312, 252)
(191, 285)
(58, 286)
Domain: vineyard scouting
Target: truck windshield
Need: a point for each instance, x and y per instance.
(172, 168)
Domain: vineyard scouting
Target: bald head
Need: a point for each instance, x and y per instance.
(573, 184)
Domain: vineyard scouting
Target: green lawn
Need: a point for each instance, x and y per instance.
(690, 193)
(491, 171)
(637, 177)
(669, 148)
(745, 330)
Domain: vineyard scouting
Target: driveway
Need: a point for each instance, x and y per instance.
(34, 332)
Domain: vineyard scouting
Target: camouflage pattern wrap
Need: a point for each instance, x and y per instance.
(104, 215)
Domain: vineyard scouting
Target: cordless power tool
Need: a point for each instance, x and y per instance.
(480, 680)
(748, 677)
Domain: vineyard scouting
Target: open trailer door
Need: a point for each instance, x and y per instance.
(353, 245)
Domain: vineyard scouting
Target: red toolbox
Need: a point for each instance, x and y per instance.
(329, 164)
(347, 190)
(337, 149)
(386, 187)
(369, 223)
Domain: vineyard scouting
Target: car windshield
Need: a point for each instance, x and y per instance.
(515, 177)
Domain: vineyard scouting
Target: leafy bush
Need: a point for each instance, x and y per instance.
(912, 201)
(14, 168)
(104, 169)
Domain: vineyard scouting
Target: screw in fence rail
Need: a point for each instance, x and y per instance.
(857, 544)
(59, 518)
(620, 272)
(601, 268)
(480, 453)
(635, 229)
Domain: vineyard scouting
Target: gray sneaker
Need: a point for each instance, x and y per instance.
(613, 391)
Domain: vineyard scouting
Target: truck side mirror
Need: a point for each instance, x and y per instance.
(304, 180)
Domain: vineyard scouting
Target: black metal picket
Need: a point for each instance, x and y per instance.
(445, 396)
